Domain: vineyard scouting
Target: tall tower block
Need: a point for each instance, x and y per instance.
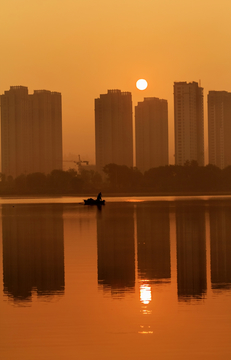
(31, 131)
(113, 129)
(219, 128)
(151, 127)
(189, 123)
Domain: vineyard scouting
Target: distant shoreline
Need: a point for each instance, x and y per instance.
(118, 194)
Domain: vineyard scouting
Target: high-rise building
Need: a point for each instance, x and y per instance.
(31, 131)
(219, 128)
(189, 123)
(151, 128)
(113, 129)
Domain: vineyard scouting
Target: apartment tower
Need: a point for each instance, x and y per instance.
(189, 123)
(219, 128)
(151, 124)
(113, 129)
(31, 131)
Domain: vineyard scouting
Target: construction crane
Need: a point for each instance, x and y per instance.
(78, 163)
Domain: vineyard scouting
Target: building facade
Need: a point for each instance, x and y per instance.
(188, 123)
(113, 129)
(219, 128)
(31, 131)
(151, 129)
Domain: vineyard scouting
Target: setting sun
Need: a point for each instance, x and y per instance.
(141, 84)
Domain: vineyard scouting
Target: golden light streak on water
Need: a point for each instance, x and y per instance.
(145, 294)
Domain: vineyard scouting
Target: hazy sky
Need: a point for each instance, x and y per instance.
(82, 48)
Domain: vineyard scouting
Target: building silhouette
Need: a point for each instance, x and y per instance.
(151, 129)
(220, 246)
(33, 251)
(31, 131)
(188, 122)
(219, 128)
(153, 242)
(116, 249)
(113, 129)
(191, 251)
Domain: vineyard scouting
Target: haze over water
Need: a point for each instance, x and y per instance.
(133, 279)
(83, 48)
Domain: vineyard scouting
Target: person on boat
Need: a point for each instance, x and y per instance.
(99, 197)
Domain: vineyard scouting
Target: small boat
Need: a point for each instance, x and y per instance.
(91, 201)
(97, 201)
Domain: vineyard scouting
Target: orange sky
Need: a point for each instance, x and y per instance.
(84, 47)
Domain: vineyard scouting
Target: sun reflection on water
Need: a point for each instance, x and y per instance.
(145, 299)
(145, 294)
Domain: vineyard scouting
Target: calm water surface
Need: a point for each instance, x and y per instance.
(138, 278)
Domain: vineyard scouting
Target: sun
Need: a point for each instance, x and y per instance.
(141, 84)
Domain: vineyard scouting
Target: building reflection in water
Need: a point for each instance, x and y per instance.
(153, 254)
(33, 250)
(191, 251)
(220, 245)
(141, 232)
(116, 252)
(153, 242)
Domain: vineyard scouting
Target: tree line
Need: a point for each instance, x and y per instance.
(57, 182)
(190, 178)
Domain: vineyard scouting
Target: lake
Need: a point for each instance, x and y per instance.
(141, 277)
